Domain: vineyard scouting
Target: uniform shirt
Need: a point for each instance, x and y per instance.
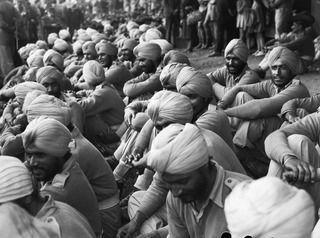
(209, 222)
(72, 187)
(71, 223)
(310, 104)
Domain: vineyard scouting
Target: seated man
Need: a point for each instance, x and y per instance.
(236, 70)
(294, 156)
(16, 186)
(254, 107)
(46, 143)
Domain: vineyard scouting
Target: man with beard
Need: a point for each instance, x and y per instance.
(256, 111)
(236, 70)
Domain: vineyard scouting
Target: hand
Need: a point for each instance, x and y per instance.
(128, 230)
(141, 163)
(298, 171)
(129, 114)
(291, 118)
(221, 105)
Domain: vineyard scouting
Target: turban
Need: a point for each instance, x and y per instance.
(174, 56)
(167, 106)
(98, 37)
(46, 135)
(49, 72)
(41, 44)
(178, 149)
(60, 45)
(285, 56)
(142, 38)
(52, 37)
(144, 27)
(21, 89)
(268, 207)
(15, 179)
(37, 52)
(52, 57)
(89, 47)
(107, 48)
(149, 51)
(153, 34)
(29, 98)
(93, 72)
(169, 73)
(91, 31)
(238, 48)
(77, 46)
(83, 36)
(117, 73)
(190, 81)
(49, 106)
(304, 19)
(129, 44)
(25, 50)
(122, 28)
(18, 223)
(64, 34)
(30, 74)
(131, 25)
(164, 45)
(108, 28)
(35, 61)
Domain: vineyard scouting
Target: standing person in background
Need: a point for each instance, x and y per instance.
(243, 15)
(171, 12)
(259, 25)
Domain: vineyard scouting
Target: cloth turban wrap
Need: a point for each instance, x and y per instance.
(135, 33)
(164, 45)
(93, 72)
(191, 81)
(268, 207)
(153, 34)
(29, 98)
(98, 37)
(25, 50)
(149, 51)
(122, 28)
(21, 89)
(35, 61)
(18, 223)
(178, 149)
(41, 44)
(129, 44)
(77, 46)
(30, 74)
(37, 52)
(107, 48)
(49, 106)
(83, 36)
(47, 72)
(174, 56)
(90, 31)
(64, 34)
(52, 38)
(53, 57)
(131, 25)
(238, 48)
(167, 106)
(144, 27)
(117, 73)
(89, 47)
(46, 135)
(15, 179)
(169, 75)
(60, 45)
(285, 56)
(108, 28)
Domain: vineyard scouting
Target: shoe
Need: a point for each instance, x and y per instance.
(214, 54)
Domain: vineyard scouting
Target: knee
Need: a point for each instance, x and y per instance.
(296, 140)
(134, 203)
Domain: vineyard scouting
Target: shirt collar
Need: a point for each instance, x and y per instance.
(216, 192)
(236, 79)
(278, 90)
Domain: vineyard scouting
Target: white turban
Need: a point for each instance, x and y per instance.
(131, 25)
(15, 179)
(35, 60)
(144, 27)
(167, 106)
(93, 73)
(89, 47)
(30, 97)
(286, 57)
(174, 56)
(49, 106)
(46, 135)
(49, 72)
(178, 149)
(53, 57)
(169, 74)
(21, 89)
(52, 38)
(268, 207)
(190, 81)
(153, 34)
(41, 44)
(60, 45)
(238, 48)
(77, 46)
(149, 51)
(64, 34)
(164, 45)
(107, 48)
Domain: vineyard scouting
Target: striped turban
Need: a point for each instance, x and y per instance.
(93, 73)
(35, 61)
(287, 57)
(52, 37)
(153, 34)
(149, 51)
(129, 44)
(48, 106)
(49, 72)
(89, 47)
(268, 207)
(15, 179)
(41, 44)
(167, 106)
(48, 136)
(64, 34)
(29, 98)
(169, 73)
(60, 45)
(53, 58)
(21, 89)
(190, 81)
(164, 45)
(238, 48)
(174, 56)
(107, 48)
(178, 149)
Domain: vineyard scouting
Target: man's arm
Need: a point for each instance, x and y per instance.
(310, 104)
